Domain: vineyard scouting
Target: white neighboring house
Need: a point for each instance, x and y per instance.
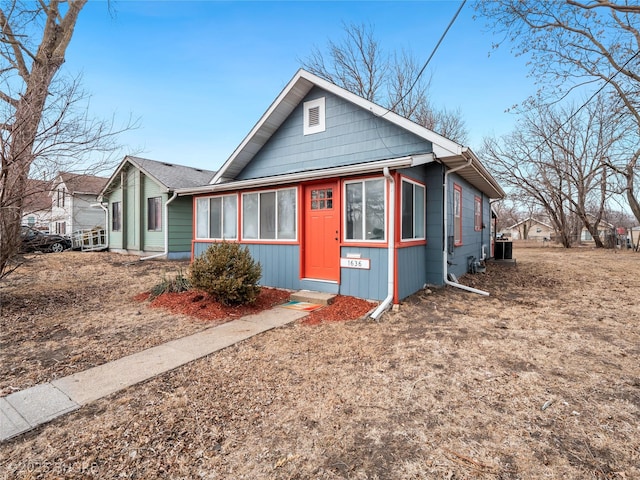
(530, 229)
(72, 195)
(36, 211)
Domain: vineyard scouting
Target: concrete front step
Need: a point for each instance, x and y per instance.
(319, 298)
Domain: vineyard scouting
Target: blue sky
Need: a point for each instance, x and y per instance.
(199, 74)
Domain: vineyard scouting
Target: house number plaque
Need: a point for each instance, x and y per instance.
(362, 263)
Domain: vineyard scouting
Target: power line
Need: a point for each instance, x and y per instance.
(435, 49)
(597, 92)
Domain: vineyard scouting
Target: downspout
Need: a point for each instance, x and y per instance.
(106, 223)
(391, 247)
(166, 230)
(445, 264)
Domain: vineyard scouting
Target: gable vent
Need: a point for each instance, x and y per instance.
(314, 116)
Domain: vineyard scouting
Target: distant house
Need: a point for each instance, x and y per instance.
(36, 211)
(333, 193)
(530, 229)
(73, 198)
(605, 230)
(145, 216)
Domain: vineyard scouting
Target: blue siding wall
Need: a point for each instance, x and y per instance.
(369, 284)
(280, 263)
(433, 256)
(411, 270)
(472, 240)
(352, 135)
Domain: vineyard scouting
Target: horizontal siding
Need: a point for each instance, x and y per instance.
(84, 215)
(180, 224)
(115, 238)
(411, 270)
(151, 241)
(369, 284)
(433, 258)
(352, 135)
(280, 263)
(472, 240)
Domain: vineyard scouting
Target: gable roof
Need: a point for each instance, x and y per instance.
(446, 151)
(36, 196)
(168, 175)
(78, 183)
(530, 219)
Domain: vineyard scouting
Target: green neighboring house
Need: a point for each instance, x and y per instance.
(145, 216)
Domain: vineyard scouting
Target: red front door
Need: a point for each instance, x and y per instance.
(322, 231)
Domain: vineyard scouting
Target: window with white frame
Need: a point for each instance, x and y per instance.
(217, 217)
(477, 213)
(413, 211)
(365, 210)
(270, 215)
(457, 215)
(154, 214)
(314, 116)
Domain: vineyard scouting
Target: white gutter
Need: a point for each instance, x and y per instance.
(395, 163)
(391, 247)
(166, 230)
(445, 254)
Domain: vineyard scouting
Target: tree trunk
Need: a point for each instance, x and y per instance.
(18, 153)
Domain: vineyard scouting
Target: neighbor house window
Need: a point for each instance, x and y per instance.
(477, 214)
(457, 215)
(314, 113)
(269, 215)
(154, 214)
(365, 208)
(217, 217)
(413, 211)
(116, 216)
(61, 228)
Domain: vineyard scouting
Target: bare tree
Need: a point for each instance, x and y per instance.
(555, 159)
(44, 123)
(359, 64)
(575, 44)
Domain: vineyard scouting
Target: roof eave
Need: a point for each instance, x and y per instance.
(290, 178)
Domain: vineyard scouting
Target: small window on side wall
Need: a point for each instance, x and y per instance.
(477, 213)
(457, 215)
(116, 216)
(154, 214)
(413, 211)
(314, 116)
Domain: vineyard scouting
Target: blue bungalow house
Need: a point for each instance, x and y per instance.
(333, 193)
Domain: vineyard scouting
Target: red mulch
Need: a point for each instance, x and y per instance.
(200, 305)
(342, 309)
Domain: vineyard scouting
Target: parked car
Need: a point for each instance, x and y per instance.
(36, 241)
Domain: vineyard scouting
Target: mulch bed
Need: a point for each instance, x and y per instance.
(204, 307)
(199, 305)
(342, 309)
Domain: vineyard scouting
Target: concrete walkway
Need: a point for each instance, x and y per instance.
(24, 410)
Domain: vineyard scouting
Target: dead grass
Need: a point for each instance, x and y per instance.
(539, 380)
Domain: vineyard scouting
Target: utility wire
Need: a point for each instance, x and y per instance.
(435, 49)
(597, 92)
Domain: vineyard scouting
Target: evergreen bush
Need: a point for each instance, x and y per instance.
(228, 273)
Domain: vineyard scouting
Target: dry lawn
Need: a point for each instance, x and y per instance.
(539, 380)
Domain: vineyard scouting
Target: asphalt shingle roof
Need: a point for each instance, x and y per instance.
(171, 175)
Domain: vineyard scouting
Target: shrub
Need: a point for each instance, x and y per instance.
(228, 273)
(180, 283)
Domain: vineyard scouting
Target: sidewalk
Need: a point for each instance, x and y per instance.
(25, 410)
